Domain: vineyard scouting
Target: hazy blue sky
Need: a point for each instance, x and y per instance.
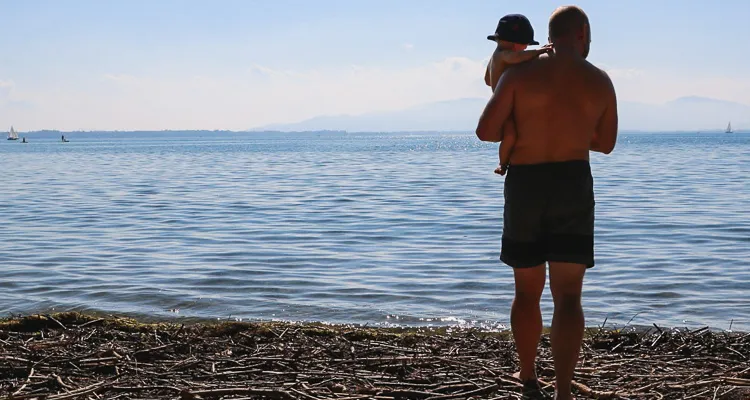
(186, 64)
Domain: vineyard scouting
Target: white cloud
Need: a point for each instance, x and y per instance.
(262, 95)
(120, 77)
(6, 87)
(408, 46)
(618, 73)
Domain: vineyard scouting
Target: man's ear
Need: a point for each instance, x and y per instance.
(585, 33)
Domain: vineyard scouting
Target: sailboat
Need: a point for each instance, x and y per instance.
(729, 128)
(12, 135)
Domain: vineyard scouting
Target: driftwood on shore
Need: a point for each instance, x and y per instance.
(73, 356)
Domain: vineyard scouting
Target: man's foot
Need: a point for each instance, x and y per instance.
(531, 389)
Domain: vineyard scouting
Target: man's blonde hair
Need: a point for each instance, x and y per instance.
(566, 21)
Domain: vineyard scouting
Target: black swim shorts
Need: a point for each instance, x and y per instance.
(549, 214)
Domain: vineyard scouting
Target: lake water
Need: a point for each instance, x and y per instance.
(362, 228)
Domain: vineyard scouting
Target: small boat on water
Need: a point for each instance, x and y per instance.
(729, 128)
(12, 135)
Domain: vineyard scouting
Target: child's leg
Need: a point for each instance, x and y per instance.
(506, 146)
(499, 157)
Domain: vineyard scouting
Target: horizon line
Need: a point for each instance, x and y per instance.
(253, 131)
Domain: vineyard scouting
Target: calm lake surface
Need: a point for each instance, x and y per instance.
(357, 228)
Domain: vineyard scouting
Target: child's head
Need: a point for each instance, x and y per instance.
(514, 32)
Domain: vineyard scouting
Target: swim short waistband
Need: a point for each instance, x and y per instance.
(572, 165)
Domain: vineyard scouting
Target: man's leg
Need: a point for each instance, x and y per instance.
(566, 283)
(523, 249)
(526, 317)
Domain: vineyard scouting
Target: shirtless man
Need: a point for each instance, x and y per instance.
(563, 107)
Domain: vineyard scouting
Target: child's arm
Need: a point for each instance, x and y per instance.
(517, 57)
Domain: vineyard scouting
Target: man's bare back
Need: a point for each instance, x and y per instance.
(563, 107)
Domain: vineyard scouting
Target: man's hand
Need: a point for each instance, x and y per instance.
(547, 48)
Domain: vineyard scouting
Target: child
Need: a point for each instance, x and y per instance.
(513, 34)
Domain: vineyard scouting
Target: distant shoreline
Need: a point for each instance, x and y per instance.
(321, 132)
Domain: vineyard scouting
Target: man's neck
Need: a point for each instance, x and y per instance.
(567, 50)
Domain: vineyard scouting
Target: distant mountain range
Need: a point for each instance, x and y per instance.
(683, 114)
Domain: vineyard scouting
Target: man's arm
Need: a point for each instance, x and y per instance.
(498, 109)
(605, 135)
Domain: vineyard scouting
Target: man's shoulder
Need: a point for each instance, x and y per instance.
(538, 61)
(599, 71)
(596, 74)
(601, 74)
(512, 72)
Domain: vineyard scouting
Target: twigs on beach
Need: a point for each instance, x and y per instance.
(71, 356)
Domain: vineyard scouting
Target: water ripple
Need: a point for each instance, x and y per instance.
(378, 228)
